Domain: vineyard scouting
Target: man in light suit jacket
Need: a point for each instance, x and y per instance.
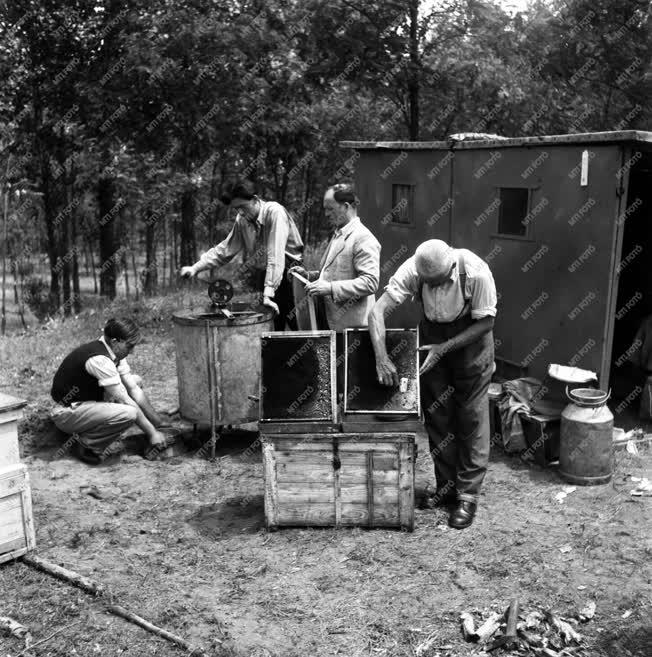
(350, 267)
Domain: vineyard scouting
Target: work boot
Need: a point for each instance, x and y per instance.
(462, 515)
(85, 454)
(113, 453)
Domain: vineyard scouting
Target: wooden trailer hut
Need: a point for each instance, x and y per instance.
(564, 221)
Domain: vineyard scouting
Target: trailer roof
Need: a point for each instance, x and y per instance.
(640, 136)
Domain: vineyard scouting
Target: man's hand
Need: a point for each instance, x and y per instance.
(319, 288)
(157, 442)
(267, 301)
(157, 439)
(297, 269)
(435, 354)
(187, 272)
(387, 372)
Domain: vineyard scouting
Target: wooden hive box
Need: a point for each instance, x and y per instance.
(11, 410)
(363, 394)
(16, 521)
(339, 480)
(297, 382)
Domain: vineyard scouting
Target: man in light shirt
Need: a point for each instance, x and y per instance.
(99, 397)
(348, 275)
(263, 233)
(457, 294)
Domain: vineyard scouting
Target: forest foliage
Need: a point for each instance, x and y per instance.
(121, 122)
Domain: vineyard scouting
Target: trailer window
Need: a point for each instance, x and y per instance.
(402, 204)
(512, 216)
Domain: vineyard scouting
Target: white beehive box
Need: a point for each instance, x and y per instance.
(11, 410)
(16, 521)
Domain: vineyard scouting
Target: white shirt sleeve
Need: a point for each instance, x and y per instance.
(277, 228)
(103, 369)
(403, 284)
(483, 294)
(123, 367)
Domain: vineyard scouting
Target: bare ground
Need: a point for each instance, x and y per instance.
(182, 542)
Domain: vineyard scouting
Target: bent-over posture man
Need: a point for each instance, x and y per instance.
(99, 397)
(263, 233)
(458, 298)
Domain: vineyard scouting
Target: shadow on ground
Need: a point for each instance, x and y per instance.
(236, 515)
(53, 445)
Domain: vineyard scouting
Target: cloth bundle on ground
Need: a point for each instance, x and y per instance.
(516, 400)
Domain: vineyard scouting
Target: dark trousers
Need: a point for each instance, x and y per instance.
(456, 409)
(284, 299)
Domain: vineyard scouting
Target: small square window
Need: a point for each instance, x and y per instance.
(514, 204)
(402, 204)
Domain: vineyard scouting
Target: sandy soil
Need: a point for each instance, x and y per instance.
(182, 542)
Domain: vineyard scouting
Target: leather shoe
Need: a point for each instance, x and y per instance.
(462, 515)
(85, 454)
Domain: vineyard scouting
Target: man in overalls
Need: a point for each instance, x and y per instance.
(458, 298)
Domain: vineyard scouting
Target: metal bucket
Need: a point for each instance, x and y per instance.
(218, 363)
(586, 441)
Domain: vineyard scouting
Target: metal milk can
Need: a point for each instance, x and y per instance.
(586, 442)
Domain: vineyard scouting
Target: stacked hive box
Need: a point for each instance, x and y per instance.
(325, 470)
(16, 523)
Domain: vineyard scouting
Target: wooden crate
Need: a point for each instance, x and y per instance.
(541, 434)
(11, 410)
(358, 423)
(339, 480)
(16, 521)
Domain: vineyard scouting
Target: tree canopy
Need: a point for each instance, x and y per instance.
(127, 119)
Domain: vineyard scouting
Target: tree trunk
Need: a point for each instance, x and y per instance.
(64, 262)
(188, 247)
(108, 242)
(87, 264)
(165, 250)
(5, 219)
(173, 249)
(17, 299)
(51, 233)
(133, 264)
(306, 210)
(76, 294)
(91, 258)
(125, 266)
(150, 279)
(413, 72)
(24, 265)
(14, 270)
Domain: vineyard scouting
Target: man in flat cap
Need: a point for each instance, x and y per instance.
(457, 294)
(265, 234)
